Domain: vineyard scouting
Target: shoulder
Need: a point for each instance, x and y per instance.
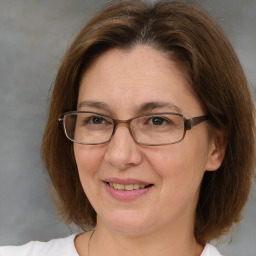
(61, 246)
(210, 250)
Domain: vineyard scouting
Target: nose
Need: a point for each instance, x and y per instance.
(123, 152)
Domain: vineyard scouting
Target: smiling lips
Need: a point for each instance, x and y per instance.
(126, 190)
(127, 187)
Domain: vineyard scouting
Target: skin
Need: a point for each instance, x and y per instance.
(161, 221)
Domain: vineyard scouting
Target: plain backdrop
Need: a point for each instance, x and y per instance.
(34, 35)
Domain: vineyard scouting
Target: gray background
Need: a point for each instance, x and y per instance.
(33, 37)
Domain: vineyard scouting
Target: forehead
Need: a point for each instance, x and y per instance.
(120, 78)
(118, 60)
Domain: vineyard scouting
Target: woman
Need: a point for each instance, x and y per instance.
(157, 152)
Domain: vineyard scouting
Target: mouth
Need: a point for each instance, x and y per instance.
(128, 187)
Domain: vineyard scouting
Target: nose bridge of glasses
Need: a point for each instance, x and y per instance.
(122, 123)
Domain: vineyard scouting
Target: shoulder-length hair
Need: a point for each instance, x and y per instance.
(194, 41)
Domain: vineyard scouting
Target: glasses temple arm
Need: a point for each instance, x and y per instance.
(189, 123)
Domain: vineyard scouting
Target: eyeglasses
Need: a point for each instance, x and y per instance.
(91, 128)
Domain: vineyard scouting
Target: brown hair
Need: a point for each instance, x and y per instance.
(194, 40)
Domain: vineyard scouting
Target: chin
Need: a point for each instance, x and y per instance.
(126, 223)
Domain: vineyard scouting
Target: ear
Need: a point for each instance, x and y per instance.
(217, 151)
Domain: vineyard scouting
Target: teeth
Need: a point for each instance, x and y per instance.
(120, 186)
(128, 187)
(136, 186)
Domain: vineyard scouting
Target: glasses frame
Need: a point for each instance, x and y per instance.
(188, 125)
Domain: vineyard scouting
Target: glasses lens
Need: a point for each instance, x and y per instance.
(158, 129)
(88, 128)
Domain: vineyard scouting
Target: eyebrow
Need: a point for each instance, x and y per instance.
(159, 104)
(145, 107)
(94, 104)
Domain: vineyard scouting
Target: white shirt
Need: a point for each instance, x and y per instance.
(64, 247)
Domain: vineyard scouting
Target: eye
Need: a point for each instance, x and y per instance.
(95, 120)
(89, 122)
(157, 120)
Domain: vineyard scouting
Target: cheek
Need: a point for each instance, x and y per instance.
(180, 165)
(86, 154)
(88, 160)
(168, 161)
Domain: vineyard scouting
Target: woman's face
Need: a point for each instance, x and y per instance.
(120, 84)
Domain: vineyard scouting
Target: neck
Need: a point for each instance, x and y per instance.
(163, 242)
